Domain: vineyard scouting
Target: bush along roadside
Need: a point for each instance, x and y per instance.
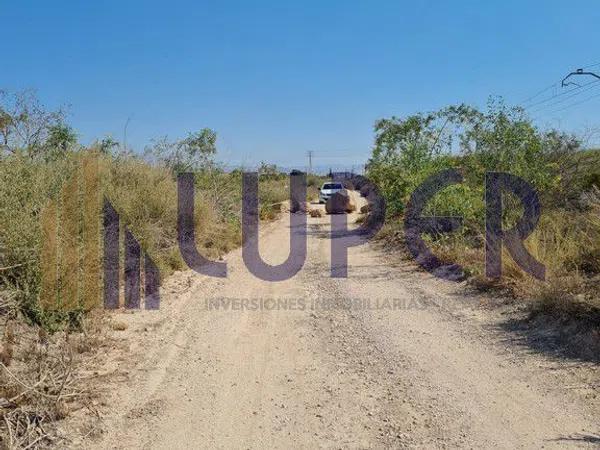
(51, 196)
(502, 139)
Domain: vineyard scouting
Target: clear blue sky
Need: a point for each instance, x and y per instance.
(277, 78)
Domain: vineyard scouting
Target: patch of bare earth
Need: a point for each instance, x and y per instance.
(389, 357)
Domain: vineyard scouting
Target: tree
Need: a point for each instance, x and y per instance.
(25, 124)
(107, 144)
(266, 170)
(195, 152)
(498, 138)
(60, 138)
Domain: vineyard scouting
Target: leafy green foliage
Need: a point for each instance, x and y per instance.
(567, 179)
(106, 145)
(194, 152)
(61, 137)
(500, 139)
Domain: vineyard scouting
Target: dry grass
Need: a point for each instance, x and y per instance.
(45, 349)
(41, 380)
(36, 197)
(146, 199)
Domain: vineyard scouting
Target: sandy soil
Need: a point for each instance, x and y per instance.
(416, 362)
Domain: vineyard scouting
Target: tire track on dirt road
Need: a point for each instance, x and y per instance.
(433, 373)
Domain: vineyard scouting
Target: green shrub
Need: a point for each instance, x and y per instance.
(567, 238)
(144, 195)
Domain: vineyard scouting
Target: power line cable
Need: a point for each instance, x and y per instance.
(548, 99)
(590, 86)
(591, 65)
(576, 103)
(546, 89)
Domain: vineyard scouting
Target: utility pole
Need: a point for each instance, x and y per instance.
(310, 155)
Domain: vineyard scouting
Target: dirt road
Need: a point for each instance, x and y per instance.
(417, 363)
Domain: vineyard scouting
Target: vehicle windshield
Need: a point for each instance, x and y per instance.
(332, 186)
